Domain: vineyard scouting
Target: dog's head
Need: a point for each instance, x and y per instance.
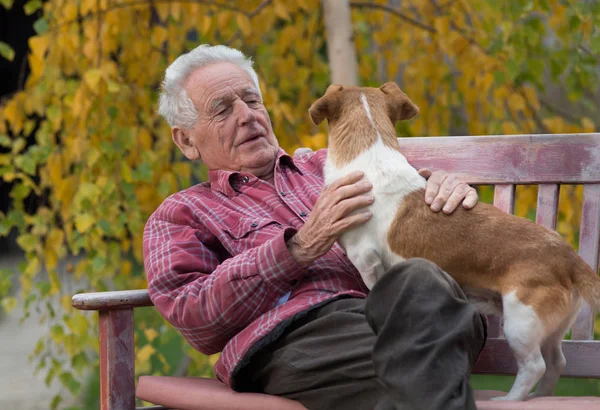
(339, 100)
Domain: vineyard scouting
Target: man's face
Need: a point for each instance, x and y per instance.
(234, 130)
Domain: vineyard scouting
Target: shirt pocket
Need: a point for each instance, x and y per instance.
(252, 232)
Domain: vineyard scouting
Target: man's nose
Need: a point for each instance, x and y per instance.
(245, 114)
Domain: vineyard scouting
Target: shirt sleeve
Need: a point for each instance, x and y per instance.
(206, 300)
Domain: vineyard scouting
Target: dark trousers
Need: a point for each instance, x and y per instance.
(410, 345)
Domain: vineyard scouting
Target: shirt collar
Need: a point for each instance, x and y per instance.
(224, 181)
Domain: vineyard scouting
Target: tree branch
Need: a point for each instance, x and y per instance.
(250, 15)
(114, 7)
(391, 10)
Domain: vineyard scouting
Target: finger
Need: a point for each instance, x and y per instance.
(445, 191)
(433, 186)
(425, 172)
(458, 195)
(471, 199)
(349, 191)
(350, 205)
(351, 221)
(347, 179)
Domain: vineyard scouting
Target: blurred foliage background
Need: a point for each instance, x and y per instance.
(81, 140)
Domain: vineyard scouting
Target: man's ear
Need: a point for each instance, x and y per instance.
(400, 107)
(182, 140)
(321, 108)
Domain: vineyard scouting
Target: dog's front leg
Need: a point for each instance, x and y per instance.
(368, 262)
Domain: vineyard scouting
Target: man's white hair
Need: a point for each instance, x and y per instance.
(174, 103)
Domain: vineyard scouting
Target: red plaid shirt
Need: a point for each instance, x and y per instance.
(218, 268)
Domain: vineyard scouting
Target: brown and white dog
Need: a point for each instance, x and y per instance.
(507, 265)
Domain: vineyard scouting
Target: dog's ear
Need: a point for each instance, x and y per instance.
(324, 106)
(400, 107)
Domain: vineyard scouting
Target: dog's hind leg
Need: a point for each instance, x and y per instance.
(555, 363)
(524, 333)
(554, 358)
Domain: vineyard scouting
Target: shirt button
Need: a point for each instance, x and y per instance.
(282, 193)
(245, 179)
(253, 225)
(302, 214)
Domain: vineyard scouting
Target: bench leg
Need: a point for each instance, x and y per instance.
(117, 378)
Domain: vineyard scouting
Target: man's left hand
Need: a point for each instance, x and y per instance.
(446, 191)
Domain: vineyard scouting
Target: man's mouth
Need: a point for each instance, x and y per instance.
(253, 137)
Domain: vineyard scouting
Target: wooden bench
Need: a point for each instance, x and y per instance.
(502, 161)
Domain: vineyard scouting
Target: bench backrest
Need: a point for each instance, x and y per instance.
(546, 160)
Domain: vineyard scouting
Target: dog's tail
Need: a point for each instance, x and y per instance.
(588, 283)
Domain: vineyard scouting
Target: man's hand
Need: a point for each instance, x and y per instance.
(446, 191)
(332, 215)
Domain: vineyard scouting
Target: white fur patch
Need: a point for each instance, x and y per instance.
(524, 332)
(392, 178)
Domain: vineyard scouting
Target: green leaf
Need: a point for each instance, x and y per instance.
(26, 163)
(28, 242)
(56, 400)
(574, 23)
(70, 382)
(7, 4)
(32, 6)
(5, 141)
(6, 51)
(41, 26)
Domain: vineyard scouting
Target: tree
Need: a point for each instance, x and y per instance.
(341, 52)
(102, 160)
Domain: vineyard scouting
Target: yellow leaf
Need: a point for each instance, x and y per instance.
(212, 359)
(92, 78)
(144, 354)
(54, 282)
(588, 125)
(77, 323)
(281, 10)
(159, 35)
(442, 25)
(243, 23)
(126, 268)
(531, 97)
(83, 222)
(39, 45)
(516, 102)
(9, 303)
(150, 334)
(205, 24)
(223, 19)
(509, 128)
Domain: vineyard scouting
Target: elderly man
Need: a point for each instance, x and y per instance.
(247, 264)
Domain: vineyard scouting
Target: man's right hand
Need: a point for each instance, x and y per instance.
(332, 215)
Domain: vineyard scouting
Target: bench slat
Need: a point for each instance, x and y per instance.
(523, 159)
(504, 198)
(547, 205)
(583, 359)
(589, 243)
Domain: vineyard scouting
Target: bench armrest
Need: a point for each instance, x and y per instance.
(122, 299)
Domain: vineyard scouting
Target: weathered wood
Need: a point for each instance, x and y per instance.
(518, 159)
(122, 299)
(583, 358)
(589, 243)
(117, 386)
(547, 205)
(504, 198)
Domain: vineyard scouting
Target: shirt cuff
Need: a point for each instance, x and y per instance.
(276, 265)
